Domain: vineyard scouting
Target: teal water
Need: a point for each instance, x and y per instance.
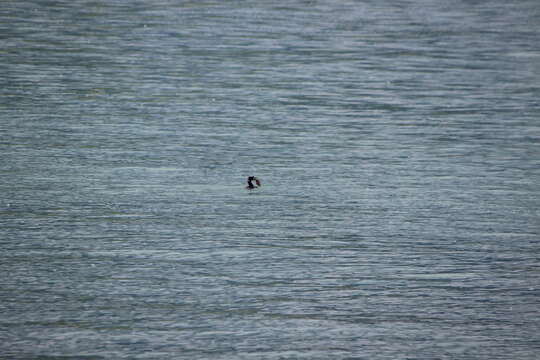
(397, 143)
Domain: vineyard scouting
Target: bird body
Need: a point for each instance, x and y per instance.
(250, 185)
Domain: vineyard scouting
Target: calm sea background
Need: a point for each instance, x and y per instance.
(398, 146)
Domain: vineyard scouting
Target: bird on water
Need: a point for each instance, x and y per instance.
(250, 185)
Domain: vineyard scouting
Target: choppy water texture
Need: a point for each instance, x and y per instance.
(397, 142)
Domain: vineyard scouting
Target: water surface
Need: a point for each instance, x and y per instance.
(397, 142)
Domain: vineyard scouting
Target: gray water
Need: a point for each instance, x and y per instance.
(398, 147)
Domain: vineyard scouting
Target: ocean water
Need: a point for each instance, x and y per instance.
(398, 147)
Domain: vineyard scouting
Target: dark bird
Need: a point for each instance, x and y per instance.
(250, 185)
